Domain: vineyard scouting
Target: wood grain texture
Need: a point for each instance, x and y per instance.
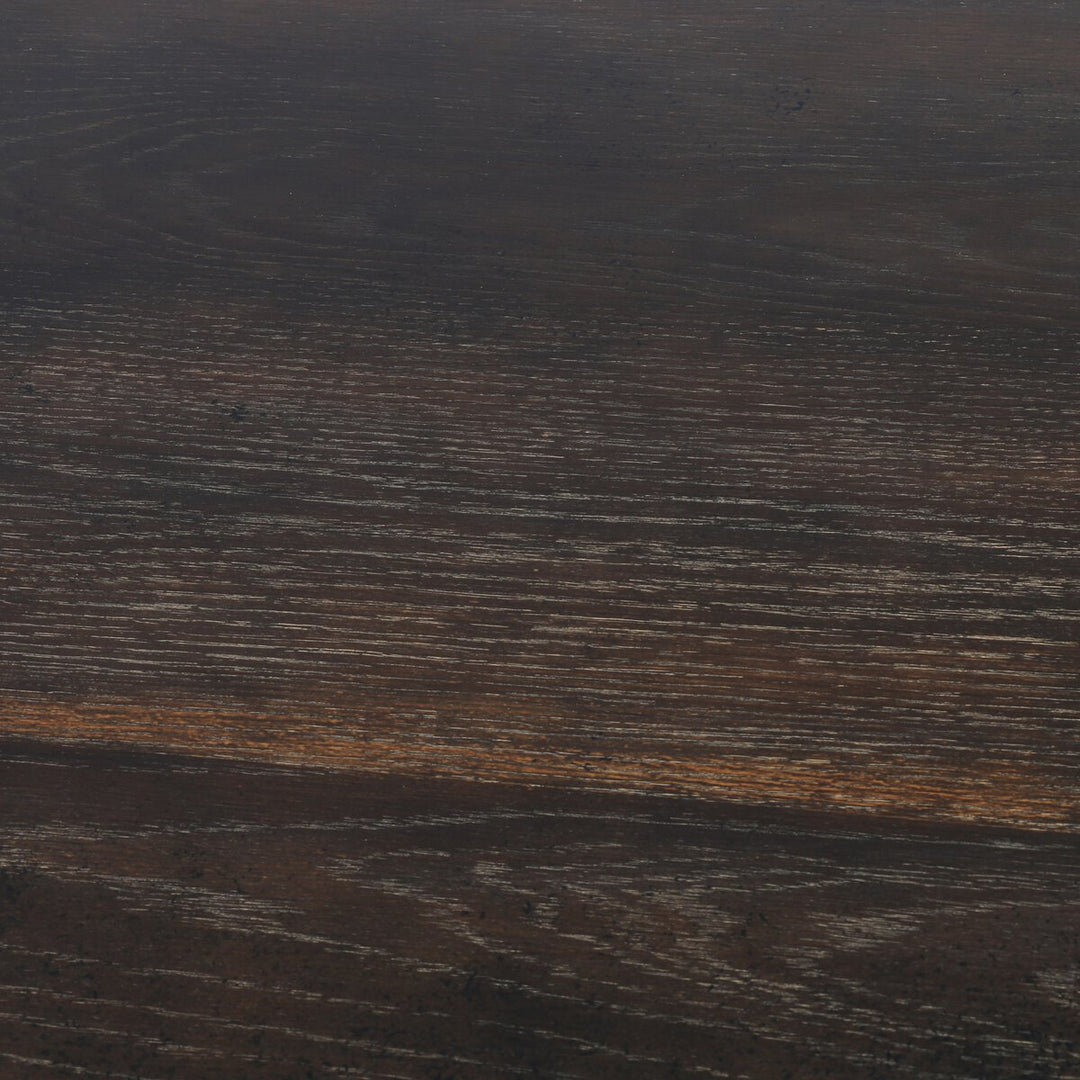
(630, 449)
(201, 920)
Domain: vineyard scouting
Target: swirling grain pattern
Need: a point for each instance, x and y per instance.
(194, 919)
(646, 432)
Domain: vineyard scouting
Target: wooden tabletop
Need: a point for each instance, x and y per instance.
(540, 538)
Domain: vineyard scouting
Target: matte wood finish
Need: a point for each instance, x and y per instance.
(539, 538)
(193, 919)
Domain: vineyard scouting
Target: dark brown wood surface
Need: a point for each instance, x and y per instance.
(539, 539)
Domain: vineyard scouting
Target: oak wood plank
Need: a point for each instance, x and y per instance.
(539, 539)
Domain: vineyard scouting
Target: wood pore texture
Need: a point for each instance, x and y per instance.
(539, 539)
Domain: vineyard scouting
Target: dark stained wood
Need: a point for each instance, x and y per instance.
(196, 919)
(539, 538)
